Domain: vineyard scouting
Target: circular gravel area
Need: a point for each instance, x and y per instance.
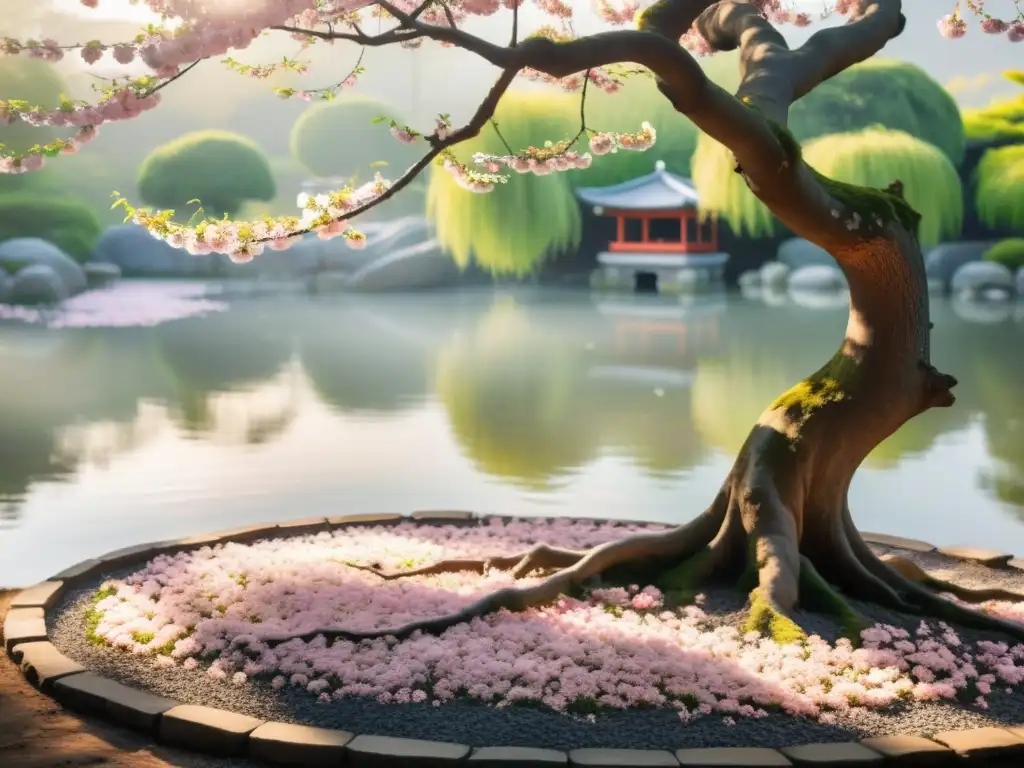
(614, 669)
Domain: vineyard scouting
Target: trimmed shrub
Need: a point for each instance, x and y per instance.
(1009, 253)
(220, 169)
(66, 223)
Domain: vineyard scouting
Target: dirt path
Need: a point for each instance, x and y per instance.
(35, 731)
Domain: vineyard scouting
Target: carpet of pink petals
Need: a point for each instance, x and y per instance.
(618, 648)
(127, 304)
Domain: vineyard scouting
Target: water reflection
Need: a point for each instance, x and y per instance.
(538, 392)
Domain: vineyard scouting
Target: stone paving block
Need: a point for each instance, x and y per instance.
(390, 752)
(43, 665)
(993, 558)
(42, 595)
(139, 553)
(95, 695)
(205, 729)
(732, 757)
(623, 758)
(909, 750)
(341, 521)
(914, 545)
(23, 625)
(517, 757)
(245, 534)
(445, 516)
(304, 527)
(80, 571)
(982, 743)
(195, 542)
(842, 754)
(298, 744)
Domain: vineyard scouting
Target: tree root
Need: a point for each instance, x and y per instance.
(912, 571)
(539, 558)
(680, 543)
(923, 596)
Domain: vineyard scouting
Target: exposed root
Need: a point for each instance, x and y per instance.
(769, 619)
(539, 558)
(819, 596)
(922, 598)
(912, 571)
(680, 543)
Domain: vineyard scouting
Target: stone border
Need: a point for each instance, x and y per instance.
(227, 734)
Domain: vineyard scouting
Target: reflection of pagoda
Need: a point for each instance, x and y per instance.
(661, 245)
(658, 344)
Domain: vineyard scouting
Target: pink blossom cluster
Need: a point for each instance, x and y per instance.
(615, 648)
(954, 25)
(549, 159)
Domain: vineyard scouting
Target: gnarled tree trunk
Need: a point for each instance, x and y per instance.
(782, 516)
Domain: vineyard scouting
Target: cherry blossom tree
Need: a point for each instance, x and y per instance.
(781, 522)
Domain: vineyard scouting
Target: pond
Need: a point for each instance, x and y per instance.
(528, 402)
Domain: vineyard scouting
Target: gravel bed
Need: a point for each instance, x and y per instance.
(477, 724)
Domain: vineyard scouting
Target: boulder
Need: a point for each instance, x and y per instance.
(1020, 282)
(5, 286)
(425, 265)
(101, 273)
(817, 279)
(797, 252)
(774, 275)
(983, 280)
(749, 280)
(138, 254)
(37, 284)
(25, 252)
(942, 261)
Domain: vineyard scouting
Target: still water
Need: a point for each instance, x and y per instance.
(529, 403)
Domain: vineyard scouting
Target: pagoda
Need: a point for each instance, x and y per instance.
(662, 245)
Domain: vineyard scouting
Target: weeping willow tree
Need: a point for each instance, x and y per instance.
(999, 188)
(866, 158)
(875, 93)
(510, 391)
(514, 228)
(1002, 120)
(885, 92)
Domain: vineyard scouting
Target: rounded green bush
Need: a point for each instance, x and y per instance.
(220, 169)
(66, 223)
(1009, 253)
(340, 138)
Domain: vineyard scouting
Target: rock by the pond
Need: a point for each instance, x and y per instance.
(424, 265)
(983, 280)
(749, 279)
(23, 252)
(943, 261)
(774, 275)
(817, 279)
(100, 273)
(37, 284)
(797, 252)
(138, 254)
